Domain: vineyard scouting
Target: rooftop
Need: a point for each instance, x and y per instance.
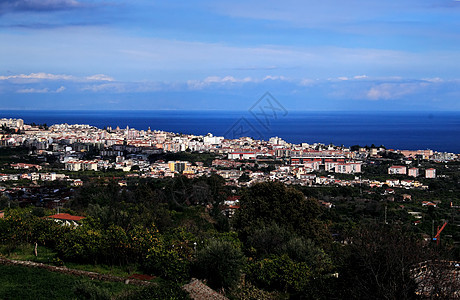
(67, 217)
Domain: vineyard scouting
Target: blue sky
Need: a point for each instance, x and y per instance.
(311, 55)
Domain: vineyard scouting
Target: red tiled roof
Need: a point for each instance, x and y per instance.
(233, 198)
(66, 217)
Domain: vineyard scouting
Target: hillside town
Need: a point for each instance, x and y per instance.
(87, 148)
(73, 154)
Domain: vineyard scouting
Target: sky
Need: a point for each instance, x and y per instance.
(224, 55)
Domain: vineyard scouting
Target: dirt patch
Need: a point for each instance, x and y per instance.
(199, 291)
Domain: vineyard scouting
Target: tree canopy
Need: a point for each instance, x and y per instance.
(270, 203)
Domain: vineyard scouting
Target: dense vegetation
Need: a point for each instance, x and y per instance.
(31, 283)
(281, 243)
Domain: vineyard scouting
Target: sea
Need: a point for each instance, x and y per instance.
(439, 131)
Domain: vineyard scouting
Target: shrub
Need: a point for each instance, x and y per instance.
(220, 263)
(166, 263)
(280, 273)
(88, 290)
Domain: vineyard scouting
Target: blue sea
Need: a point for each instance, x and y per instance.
(398, 130)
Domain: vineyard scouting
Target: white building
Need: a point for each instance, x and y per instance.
(348, 168)
(414, 172)
(401, 170)
(242, 155)
(430, 173)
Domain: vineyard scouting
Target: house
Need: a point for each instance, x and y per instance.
(401, 170)
(25, 166)
(73, 166)
(311, 166)
(348, 168)
(325, 204)
(415, 214)
(232, 200)
(392, 182)
(406, 183)
(428, 203)
(413, 172)
(430, 173)
(66, 219)
(229, 210)
(320, 180)
(406, 197)
(389, 191)
(242, 155)
(76, 182)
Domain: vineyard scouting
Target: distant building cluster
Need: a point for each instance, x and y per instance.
(413, 172)
(12, 123)
(240, 161)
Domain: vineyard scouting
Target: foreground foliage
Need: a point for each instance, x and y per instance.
(278, 244)
(18, 282)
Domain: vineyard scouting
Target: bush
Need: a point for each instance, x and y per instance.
(220, 263)
(280, 273)
(88, 290)
(166, 263)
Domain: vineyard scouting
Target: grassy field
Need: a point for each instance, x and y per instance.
(26, 252)
(21, 282)
(18, 282)
(47, 256)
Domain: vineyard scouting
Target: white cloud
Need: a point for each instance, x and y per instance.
(199, 84)
(387, 91)
(270, 77)
(32, 90)
(38, 76)
(34, 77)
(40, 91)
(217, 79)
(60, 89)
(127, 87)
(345, 78)
(35, 82)
(106, 87)
(435, 79)
(307, 82)
(99, 77)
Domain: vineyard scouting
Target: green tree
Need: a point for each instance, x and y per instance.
(116, 246)
(378, 263)
(280, 272)
(87, 290)
(220, 262)
(268, 240)
(269, 203)
(83, 244)
(167, 263)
